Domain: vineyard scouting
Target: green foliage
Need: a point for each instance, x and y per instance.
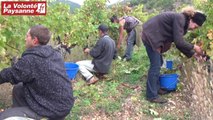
(73, 6)
(120, 11)
(137, 2)
(203, 35)
(81, 28)
(137, 12)
(169, 116)
(109, 106)
(166, 4)
(14, 28)
(142, 16)
(86, 20)
(160, 5)
(108, 94)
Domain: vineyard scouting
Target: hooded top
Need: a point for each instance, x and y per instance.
(47, 89)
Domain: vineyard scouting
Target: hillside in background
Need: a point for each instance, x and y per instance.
(164, 5)
(72, 5)
(160, 5)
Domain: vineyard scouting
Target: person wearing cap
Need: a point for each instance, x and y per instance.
(158, 34)
(133, 27)
(103, 53)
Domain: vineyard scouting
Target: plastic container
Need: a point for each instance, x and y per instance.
(169, 64)
(169, 81)
(71, 69)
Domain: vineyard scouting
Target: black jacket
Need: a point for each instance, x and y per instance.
(103, 53)
(163, 29)
(47, 89)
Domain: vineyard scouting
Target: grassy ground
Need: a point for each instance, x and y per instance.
(121, 96)
(107, 97)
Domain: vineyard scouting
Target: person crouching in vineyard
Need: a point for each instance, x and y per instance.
(133, 27)
(158, 34)
(41, 86)
(103, 53)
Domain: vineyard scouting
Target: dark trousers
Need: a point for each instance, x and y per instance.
(19, 107)
(152, 84)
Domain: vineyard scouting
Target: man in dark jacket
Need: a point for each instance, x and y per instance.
(42, 88)
(158, 34)
(103, 53)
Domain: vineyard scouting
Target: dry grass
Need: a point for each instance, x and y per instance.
(199, 90)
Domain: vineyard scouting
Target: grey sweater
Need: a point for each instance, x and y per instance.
(47, 89)
(103, 53)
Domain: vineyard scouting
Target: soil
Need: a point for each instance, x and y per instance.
(5, 95)
(199, 90)
(193, 100)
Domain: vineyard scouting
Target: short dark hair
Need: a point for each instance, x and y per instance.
(104, 28)
(113, 18)
(41, 33)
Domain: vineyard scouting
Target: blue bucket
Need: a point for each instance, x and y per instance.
(169, 81)
(71, 69)
(169, 64)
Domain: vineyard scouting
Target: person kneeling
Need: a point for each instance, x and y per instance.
(102, 53)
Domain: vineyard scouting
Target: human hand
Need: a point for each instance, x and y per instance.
(86, 50)
(198, 49)
(85, 47)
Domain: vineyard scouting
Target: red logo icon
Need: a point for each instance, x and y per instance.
(23, 8)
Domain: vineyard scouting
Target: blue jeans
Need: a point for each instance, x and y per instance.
(131, 39)
(153, 83)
